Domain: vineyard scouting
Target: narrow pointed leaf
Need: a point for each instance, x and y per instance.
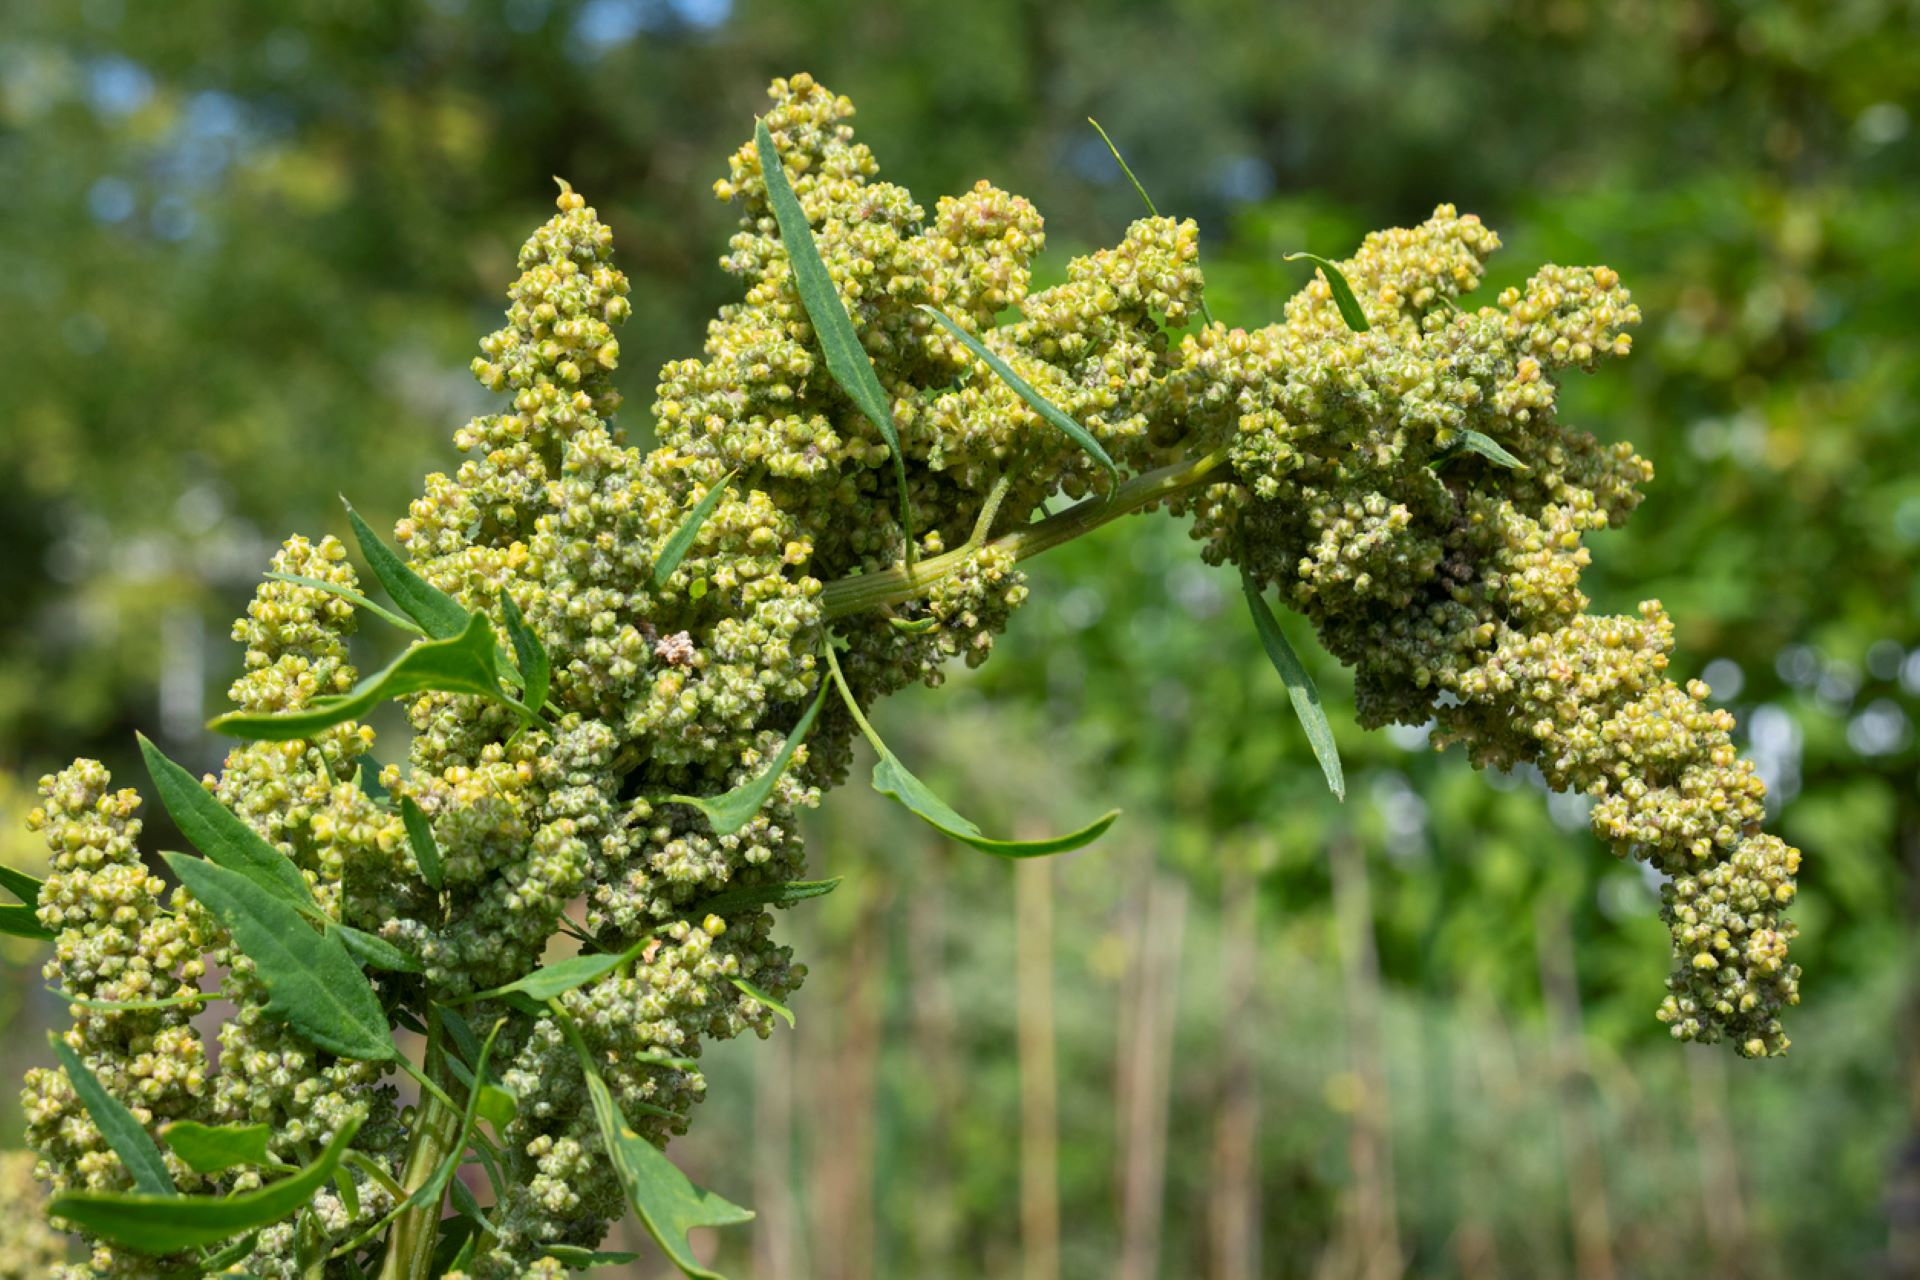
(466, 1045)
(353, 598)
(575, 1258)
(891, 778)
(1300, 687)
(733, 810)
(426, 850)
(1343, 298)
(137, 1006)
(1125, 168)
(21, 885)
(1035, 401)
(783, 894)
(212, 1148)
(438, 613)
(370, 949)
(680, 541)
(913, 626)
(167, 1224)
(19, 921)
(558, 978)
(219, 833)
(465, 663)
(125, 1134)
(536, 671)
(1487, 447)
(668, 1204)
(312, 983)
(214, 1263)
(846, 359)
(430, 1191)
(748, 989)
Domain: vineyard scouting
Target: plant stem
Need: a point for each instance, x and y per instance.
(411, 1239)
(899, 585)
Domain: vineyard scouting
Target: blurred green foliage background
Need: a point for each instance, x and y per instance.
(246, 250)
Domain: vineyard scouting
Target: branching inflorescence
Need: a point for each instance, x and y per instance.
(663, 625)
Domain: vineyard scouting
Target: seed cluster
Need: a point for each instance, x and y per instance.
(1349, 484)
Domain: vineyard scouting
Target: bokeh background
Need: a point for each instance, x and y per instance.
(246, 248)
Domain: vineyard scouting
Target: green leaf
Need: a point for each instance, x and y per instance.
(1035, 401)
(214, 1263)
(18, 920)
(465, 663)
(126, 1135)
(153, 1224)
(574, 1258)
(891, 778)
(312, 983)
(1300, 687)
(21, 885)
(913, 626)
(439, 614)
(675, 548)
(352, 597)
(1486, 446)
(747, 988)
(466, 1045)
(729, 812)
(370, 949)
(536, 672)
(430, 1191)
(212, 1148)
(456, 1242)
(1342, 291)
(426, 850)
(846, 359)
(558, 978)
(218, 832)
(1121, 161)
(783, 894)
(130, 1006)
(668, 1204)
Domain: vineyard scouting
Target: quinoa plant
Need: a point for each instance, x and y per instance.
(630, 673)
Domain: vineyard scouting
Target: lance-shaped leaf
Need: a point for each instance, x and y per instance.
(438, 613)
(211, 1148)
(125, 1134)
(893, 779)
(430, 1191)
(1035, 401)
(1486, 446)
(353, 598)
(19, 920)
(782, 894)
(913, 626)
(426, 850)
(371, 949)
(536, 671)
(680, 541)
(1300, 686)
(1343, 298)
(465, 663)
(218, 832)
(733, 810)
(753, 992)
(562, 976)
(167, 1224)
(847, 360)
(668, 1204)
(137, 1006)
(21, 885)
(575, 1258)
(312, 983)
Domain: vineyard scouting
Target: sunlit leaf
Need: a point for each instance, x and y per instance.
(668, 1204)
(1035, 401)
(155, 1224)
(1486, 446)
(785, 893)
(536, 671)
(439, 614)
(680, 541)
(729, 812)
(1343, 298)
(574, 1258)
(125, 1134)
(218, 832)
(312, 983)
(1300, 686)
(913, 626)
(212, 1148)
(465, 663)
(1125, 168)
(846, 359)
(370, 949)
(426, 850)
(748, 989)
(137, 1006)
(353, 598)
(562, 976)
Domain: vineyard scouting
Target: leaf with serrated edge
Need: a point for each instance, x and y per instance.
(466, 663)
(125, 1134)
(753, 992)
(1300, 686)
(729, 812)
(680, 541)
(847, 360)
(536, 671)
(438, 613)
(426, 850)
(219, 833)
(1035, 401)
(668, 1204)
(785, 893)
(353, 598)
(312, 983)
(167, 1224)
(562, 976)
(1343, 299)
(212, 1148)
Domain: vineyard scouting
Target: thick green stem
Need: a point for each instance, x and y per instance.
(436, 1126)
(897, 586)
